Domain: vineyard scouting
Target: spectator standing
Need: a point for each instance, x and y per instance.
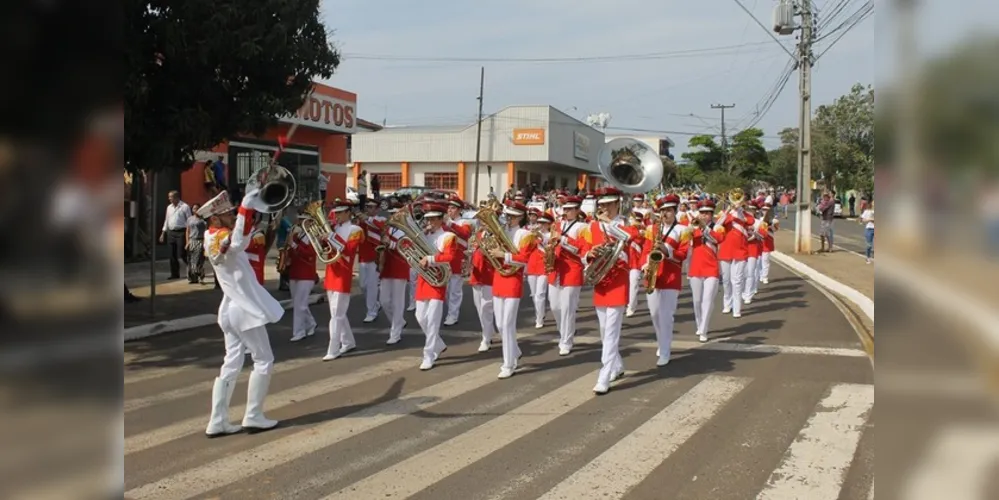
(867, 219)
(195, 244)
(218, 171)
(376, 188)
(827, 212)
(323, 184)
(785, 200)
(174, 231)
(362, 187)
(852, 202)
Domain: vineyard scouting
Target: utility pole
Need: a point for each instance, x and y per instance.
(478, 137)
(803, 218)
(904, 218)
(724, 139)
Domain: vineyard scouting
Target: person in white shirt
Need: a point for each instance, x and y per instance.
(174, 231)
(867, 219)
(362, 187)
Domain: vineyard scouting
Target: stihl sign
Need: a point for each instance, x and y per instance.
(326, 113)
(528, 136)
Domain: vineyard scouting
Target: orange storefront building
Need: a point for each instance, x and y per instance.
(318, 140)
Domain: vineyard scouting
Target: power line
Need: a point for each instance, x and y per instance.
(845, 31)
(608, 58)
(758, 23)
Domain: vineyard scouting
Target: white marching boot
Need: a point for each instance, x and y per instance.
(254, 421)
(218, 423)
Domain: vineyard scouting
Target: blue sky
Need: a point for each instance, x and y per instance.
(658, 94)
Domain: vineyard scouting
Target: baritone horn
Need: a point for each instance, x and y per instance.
(318, 229)
(413, 247)
(277, 188)
(630, 165)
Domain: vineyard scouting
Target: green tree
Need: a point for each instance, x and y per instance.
(843, 140)
(784, 160)
(200, 72)
(747, 158)
(704, 153)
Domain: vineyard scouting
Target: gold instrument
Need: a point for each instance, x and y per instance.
(549, 249)
(317, 229)
(284, 258)
(413, 247)
(604, 256)
(656, 258)
(494, 237)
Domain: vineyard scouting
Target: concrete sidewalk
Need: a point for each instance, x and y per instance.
(841, 265)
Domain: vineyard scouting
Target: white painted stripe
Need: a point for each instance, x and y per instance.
(628, 462)
(423, 470)
(816, 463)
(862, 301)
(275, 401)
(233, 468)
(870, 493)
(958, 463)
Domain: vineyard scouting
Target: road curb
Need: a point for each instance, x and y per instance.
(865, 303)
(175, 325)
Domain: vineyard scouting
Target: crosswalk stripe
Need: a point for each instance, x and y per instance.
(275, 401)
(233, 468)
(423, 470)
(634, 457)
(816, 463)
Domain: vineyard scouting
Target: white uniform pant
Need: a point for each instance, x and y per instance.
(765, 266)
(428, 315)
(369, 283)
(634, 283)
(482, 296)
(704, 291)
(567, 304)
(610, 319)
(393, 302)
(506, 314)
(341, 336)
(237, 344)
(733, 274)
(749, 287)
(302, 319)
(411, 287)
(662, 308)
(539, 290)
(454, 296)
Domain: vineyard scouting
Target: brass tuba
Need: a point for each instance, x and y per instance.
(414, 247)
(495, 237)
(630, 165)
(318, 229)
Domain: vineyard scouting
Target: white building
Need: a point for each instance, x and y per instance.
(520, 145)
(663, 144)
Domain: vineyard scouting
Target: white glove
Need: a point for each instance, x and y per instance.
(250, 198)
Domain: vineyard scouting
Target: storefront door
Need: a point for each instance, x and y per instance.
(248, 156)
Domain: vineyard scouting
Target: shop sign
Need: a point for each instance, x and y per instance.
(581, 146)
(528, 136)
(325, 113)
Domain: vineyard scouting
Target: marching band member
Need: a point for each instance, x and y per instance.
(733, 253)
(566, 280)
(703, 273)
(755, 247)
(537, 280)
(346, 238)
(507, 290)
(672, 241)
(372, 224)
(635, 256)
(394, 274)
(481, 281)
(462, 232)
(430, 299)
(768, 243)
(610, 295)
(301, 278)
(245, 311)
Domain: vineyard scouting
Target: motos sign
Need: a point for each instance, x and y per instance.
(326, 113)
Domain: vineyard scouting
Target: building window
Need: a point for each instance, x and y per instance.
(388, 183)
(441, 180)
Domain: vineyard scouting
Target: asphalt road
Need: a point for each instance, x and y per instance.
(847, 234)
(777, 405)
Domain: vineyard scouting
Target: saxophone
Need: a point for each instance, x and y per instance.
(656, 258)
(284, 258)
(549, 249)
(413, 247)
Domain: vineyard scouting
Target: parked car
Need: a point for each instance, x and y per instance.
(352, 195)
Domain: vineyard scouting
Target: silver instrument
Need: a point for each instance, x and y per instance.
(277, 188)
